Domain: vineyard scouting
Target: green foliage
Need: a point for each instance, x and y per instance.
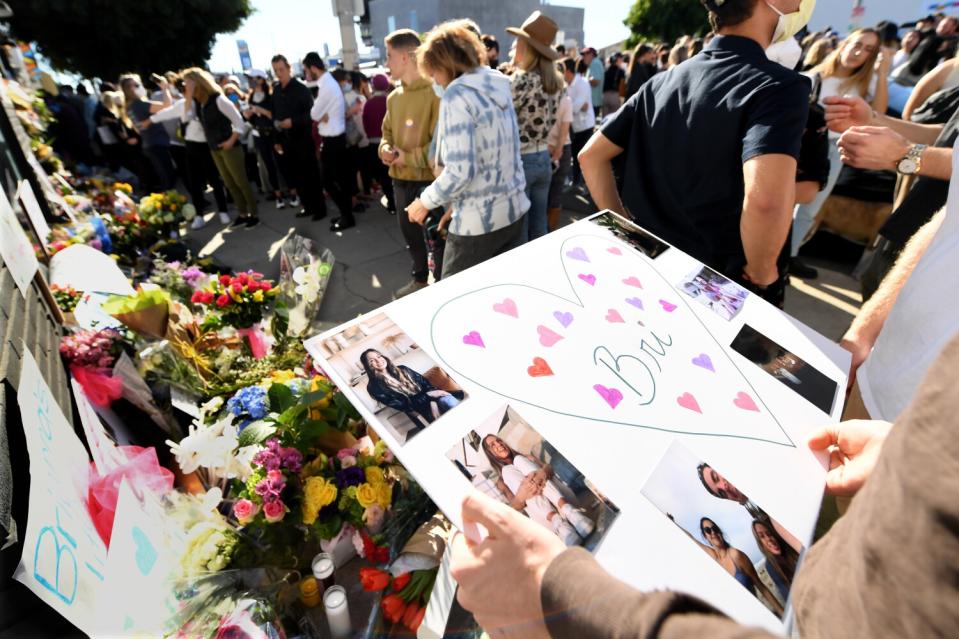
(104, 39)
(665, 20)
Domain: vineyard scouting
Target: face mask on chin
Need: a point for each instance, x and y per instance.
(792, 23)
(438, 89)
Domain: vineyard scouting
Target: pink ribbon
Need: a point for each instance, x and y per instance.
(254, 335)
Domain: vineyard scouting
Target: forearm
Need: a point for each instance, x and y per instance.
(872, 316)
(764, 231)
(917, 133)
(937, 163)
(881, 102)
(597, 169)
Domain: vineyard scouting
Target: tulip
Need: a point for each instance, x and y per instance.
(223, 300)
(416, 620)
(393, 608)
(400, 582)
(373, 579)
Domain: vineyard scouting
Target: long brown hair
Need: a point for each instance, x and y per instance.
(785, 562)
(535, 62)
(204, 86)
(395, 378)
(494, 461)
(862, 77)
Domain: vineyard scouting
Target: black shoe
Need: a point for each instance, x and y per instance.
(802, 270)
(318, 216)
(340, 224)
(252, 222)
(302, 213)
(239, 221)
(359, 208)
(391, 211)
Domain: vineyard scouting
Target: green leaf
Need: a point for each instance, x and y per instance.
(281, 398)
(255, 433)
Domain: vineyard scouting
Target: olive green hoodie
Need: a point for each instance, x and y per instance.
(411, 114)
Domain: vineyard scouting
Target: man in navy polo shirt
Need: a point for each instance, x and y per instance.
(711, 147)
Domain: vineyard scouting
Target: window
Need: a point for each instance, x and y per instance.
(413, 22)
(391, 24)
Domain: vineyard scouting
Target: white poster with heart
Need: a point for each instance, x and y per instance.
(591, 351)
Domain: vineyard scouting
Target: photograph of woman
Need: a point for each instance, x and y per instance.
(528, 485)
(781, 558)
(403, 389)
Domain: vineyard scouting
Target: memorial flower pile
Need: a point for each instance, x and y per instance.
(66, 297)
(239, 300)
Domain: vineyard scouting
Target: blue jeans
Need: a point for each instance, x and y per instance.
(804, 216)
(446, 402)
(538, 168)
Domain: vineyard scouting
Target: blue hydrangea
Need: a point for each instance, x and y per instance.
(251, 400)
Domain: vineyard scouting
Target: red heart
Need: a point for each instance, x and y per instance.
(539, 368)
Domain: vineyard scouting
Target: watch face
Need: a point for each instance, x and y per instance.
(908, 166)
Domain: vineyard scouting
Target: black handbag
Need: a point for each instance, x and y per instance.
(938, 108)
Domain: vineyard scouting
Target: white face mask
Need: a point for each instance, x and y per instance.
(792, 23)
(438, 89)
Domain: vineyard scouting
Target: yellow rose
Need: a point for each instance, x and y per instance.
(366, 495)
(384, 494)
(317, 493)
(374, 475)
(282, 376)
(257, 296)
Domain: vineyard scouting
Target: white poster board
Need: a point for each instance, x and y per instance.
(594, 349)
(87, 269)
(30, 204)
(63, 559)
(15, 247)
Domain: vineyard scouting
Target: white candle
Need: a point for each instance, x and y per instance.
(323, 567)
(337, 612)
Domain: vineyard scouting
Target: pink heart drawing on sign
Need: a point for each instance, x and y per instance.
(667, 306)
(745, 402)
(612, 396)
(702, 360)
(507, 307)
(577, 254)
(563, 318)
(473, 338)
(635, 301)
(614, 250)
(633, 281)
(686, 400)
(589, 279)
(547, 337)
(613, 317)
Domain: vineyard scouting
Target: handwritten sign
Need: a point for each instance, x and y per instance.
(30, 204)
(63, 559)
(15, 247)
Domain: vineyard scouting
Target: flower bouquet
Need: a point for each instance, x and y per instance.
(66, 297)
(305, 270)
(90, 356)
(146, 312)
(162, 211)
(239, 301)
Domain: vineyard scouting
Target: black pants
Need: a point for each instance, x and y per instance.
(264, 148)
(302, 171)
(337, 174)
(202, 171)
(579, 141)
(162, 163)
(405, 192)
(379, 172)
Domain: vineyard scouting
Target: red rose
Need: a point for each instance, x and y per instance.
(393, 608)
(400, 582)
(223, 300)
(208, 297)
(374, 580)
(265, 285)
(237, 287)
(225, 280)
(243, 278)
(197, 297)
(252, 285)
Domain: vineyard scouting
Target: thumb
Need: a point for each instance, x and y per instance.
(823, 438)
(478, 508)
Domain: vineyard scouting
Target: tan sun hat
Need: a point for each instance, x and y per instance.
(538, 31)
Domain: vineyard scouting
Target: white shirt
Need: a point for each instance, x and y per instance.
(833, 87)
(193, 131)
(921, 322)
(331, 103)
(581, 93)
(564, 113)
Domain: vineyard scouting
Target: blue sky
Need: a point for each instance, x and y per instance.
(293, 27)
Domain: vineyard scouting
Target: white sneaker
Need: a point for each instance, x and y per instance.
(224, 217)
(295, 202)
(280, 203)
(583, 524)
(197, 223)
(565, 532)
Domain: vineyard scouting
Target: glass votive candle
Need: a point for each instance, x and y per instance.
(337, 612)
(323, 567)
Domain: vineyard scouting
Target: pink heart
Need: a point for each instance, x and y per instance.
(612, 396)
(614, 250)
(547, 337)
(633, 281)
(473, 338)
(745, 402)
(589, 279)
(669, 308)
(686, 400)
(507, 307)
(614, 317)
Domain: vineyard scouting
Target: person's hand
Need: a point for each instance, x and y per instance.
(227, 144)
(144, 124)
(530, 487)
(860, 349)
(278, 149)
(417, 212)
(853, 448)
(445, 220)
(438, 393)
(761, 276)
(873, 147)
(400, 157)
(286, 124)
(386, 154)
(884, 61)
(842, 113)
(325, 118)
(516, 551)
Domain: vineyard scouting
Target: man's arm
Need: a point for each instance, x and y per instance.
(767, 214)
(595, 160)
(881, 149)
(845, 113)
(865, 329)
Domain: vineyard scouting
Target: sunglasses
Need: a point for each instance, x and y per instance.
(712, 530)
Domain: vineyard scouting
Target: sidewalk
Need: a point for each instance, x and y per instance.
(372, 262)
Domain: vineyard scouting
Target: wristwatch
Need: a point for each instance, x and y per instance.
(912, 163)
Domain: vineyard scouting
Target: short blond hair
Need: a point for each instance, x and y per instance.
(205, 86)
(452, 48)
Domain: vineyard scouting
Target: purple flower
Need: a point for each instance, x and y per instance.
(267, 459)
(292, 459)
(352, 476)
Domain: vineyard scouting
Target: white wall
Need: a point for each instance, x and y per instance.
(837, 13)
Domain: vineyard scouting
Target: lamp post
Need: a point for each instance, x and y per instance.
(345, 11)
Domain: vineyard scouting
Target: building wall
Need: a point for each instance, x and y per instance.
(570, 21)
(838, 13)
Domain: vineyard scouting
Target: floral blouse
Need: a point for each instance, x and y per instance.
(535, 110)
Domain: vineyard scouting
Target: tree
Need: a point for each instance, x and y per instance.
(665, 20)
(104, 38)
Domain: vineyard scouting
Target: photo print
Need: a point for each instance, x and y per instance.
(786, 367)
(640, 239)
(394, 379)
(753, 548)
(714, 291)
(508, 460)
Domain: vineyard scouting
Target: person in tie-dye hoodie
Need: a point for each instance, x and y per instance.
(482, 185)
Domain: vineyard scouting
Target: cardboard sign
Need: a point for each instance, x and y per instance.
(15, 247)
(30, 204)
(63, 559)
(573, 364)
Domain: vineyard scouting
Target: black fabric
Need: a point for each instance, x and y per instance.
(939, 108)
(688, 132)
(640, 74)
(153, 135)
(293, 101)
(612, 78)
(406, 192)
(338, 172)
(814, 164)
(299, 166)
(926, 56)
(202, 171)
(216, 126)
(259, 122)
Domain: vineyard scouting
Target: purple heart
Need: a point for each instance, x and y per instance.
(703, 361)
(473, 338)
(577, 254)
(589, 279)
(635, 301)
(563, 318)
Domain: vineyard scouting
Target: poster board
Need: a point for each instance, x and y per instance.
(15, 247)
(594, 350)
(34, 213)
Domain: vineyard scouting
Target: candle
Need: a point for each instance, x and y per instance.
(323, 569)
(337, 612)
(310, 592)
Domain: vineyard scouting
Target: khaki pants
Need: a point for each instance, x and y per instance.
(232, 167)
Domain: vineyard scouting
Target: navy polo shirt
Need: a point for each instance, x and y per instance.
(686, 135)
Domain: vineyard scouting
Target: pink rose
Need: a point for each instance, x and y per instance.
(274, 511)
(346, 452)
(347, 461)
(373, 518)
(275, 476)
(245, 510)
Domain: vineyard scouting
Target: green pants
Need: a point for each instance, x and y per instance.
(232, 167)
